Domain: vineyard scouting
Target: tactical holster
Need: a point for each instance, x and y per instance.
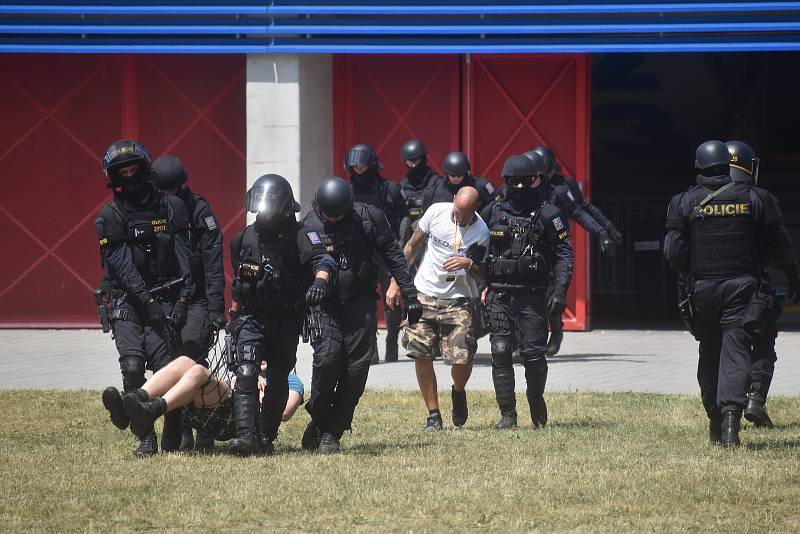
(759, 314)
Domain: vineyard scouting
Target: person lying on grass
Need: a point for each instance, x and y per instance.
(207, 399)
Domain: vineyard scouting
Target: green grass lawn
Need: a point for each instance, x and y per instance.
(606, 462)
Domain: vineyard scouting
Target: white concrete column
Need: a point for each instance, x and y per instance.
(290, 119)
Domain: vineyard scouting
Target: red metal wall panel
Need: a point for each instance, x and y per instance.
(65, 110)
(518, 101)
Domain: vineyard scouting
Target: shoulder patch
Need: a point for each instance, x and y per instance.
(558, 224)
(490, 188)
(314, 238)
(211, 223)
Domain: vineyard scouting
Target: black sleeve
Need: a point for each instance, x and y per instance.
(430, 192)
(676, 241)
(571, 204)
(116, 255)
(181, 234)
(211, 254)
(313, 253)
(776, 237)
(556, 232)
(236, 259)
(391, 253)
(398, 207)
(486, 213)
(591, 210)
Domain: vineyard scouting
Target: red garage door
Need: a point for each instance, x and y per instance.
(65, 110)
(519, 101)
(489, 106)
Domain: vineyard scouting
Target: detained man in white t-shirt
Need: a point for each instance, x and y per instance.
(455, 240)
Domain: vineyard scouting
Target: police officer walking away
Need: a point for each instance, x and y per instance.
(744, 168)
(146, 254)
(355, 234)
(719, 235)
(207, 308)
(269, 258)
(528, 238)
(369, 187)
(456, 168)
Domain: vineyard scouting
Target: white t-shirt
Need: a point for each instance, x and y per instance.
(445, 239)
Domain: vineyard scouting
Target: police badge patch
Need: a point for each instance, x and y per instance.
(558, 224)
(211, 223)
(314, 238)
(490, 188)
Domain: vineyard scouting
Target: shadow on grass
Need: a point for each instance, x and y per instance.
(763, 446)
(485, 360)
(363, 449)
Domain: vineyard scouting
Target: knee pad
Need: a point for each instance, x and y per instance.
(247, 377)
(534, 362)
(132, 368)
(248, 352)
(502, 350)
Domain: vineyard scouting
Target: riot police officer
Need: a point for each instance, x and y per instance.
(146, 255)
(354, 234)
(413, 185)
(456, 168)
(718, 234)
(744, 168)
(269, 258)
(369, 187)
(528, 237)
(207, 308)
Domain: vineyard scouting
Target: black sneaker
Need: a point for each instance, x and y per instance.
(311, 436)
(554, 343)
(460, 410)
(148, 446)
(433, 423)
(112, 401)
(246, 445)
(329, 444)
(507, 421)
(204, 442)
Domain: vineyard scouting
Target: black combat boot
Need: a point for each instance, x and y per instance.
(731, 424)
(536, 377)
(715, 430)
(112, 401)
(204, 442)
(460, 409)
(171, 435)
(756, 410)
(508, 420)
(267, 445)
(143, 414)
(311, 437)
(329, 444)
(245, 412)
(187, 436)
(391, 351)
(503, 379)
(148, 446)
(554, 343)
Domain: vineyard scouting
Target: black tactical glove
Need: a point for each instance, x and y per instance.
(317, 292)
(217, 320)
(606, 244)
(614, 233)
(155, 314)
(413, 310)
(557, 303)
(179, 311)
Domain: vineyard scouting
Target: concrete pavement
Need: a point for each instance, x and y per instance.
(602, 360)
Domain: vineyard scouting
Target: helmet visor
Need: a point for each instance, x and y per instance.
(268, 199)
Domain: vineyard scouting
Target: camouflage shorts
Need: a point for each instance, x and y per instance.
(447, 322)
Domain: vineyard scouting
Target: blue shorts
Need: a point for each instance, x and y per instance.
(295, 384)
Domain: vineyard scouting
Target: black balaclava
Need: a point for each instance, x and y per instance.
(364, 181)
(271, 228)
(416, 174)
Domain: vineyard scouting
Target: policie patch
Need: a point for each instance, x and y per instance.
(558, 224)
(211, 223)
(314, 238)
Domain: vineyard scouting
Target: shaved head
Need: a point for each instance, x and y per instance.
(464, 204)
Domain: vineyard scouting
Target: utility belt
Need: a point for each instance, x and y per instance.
(109, 301)
(528, 271)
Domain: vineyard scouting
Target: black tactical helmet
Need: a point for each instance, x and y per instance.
(539, 162)
(124, 153)
(551, 164)
(456, 163)
(743, 162)
(362, 155)
(169, 173)
(334, 196)
(521, 166)
(712, 159)
(271, 193)
(413, 149)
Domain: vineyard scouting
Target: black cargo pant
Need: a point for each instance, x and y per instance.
(392, 317)
(271, 338)
(723, 369)
(763, 357)
(519, 320)
(342, 357)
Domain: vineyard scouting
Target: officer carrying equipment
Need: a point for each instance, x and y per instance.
(530, 266)
(720, 235)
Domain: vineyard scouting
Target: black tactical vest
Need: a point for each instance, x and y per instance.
(518, 255)
(149, 234)
(268, 275)
(723, 233)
